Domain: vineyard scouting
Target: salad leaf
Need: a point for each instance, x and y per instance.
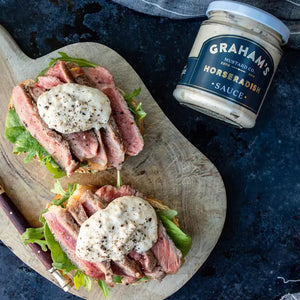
(13, 126)
(170, 213)
(60, 259)
(41, 218)
(56, 171)
(65, 57)
(137, 111)
(26, 143)
(117, 279)
(58, 189)
(23, 141)
(104, 287)
(35, 235)
(182, 241)
(146, 278)
(80, 279)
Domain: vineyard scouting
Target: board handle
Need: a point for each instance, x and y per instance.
(21, 224)
(10, 51)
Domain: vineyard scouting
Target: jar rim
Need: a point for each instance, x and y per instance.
(253, 13)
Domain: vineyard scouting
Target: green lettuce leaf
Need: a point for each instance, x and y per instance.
(23, 141)
(55, 170)
(81, 62)
(137, 111)
(26, 143)
(12, 128)
(35, 235)
(41, 218)
(60, 259)
(182, 241)
(58, 189)
(104, 288)
(146, 278)
(170, 214)
(80, 279)
(117, 279)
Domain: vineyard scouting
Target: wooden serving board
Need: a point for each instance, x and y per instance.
(169, 168)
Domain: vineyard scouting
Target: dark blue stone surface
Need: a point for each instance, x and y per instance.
(260, 166)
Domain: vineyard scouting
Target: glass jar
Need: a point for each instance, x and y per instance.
(232, 62)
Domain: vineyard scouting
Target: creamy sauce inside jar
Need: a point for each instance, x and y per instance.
(72, 107)
(232, 63)
(127, 223)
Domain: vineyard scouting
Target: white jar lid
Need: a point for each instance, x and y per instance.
(253, 13)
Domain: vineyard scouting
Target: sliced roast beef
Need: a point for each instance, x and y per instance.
(108, 192)
(61, 71)
(166, 253)
(53, 143)
(48, 82)
(99, 162)
(84, 144)
(113, 143)
(77, 211)
(131, 135)
(91, 203)
(79, 75)
(132, 138)
(31, 87)
(65, 232)
(147, 260)
(111, 136)
(35, 91)
(99, 76)
(128, 267)
(157, 273)
(148, 263)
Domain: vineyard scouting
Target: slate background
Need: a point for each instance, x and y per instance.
(260, 166)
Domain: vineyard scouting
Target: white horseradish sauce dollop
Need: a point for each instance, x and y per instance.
(72, 107)
(127, 223)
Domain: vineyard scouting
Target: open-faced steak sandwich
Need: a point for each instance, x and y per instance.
(111, 234)
(74, 118)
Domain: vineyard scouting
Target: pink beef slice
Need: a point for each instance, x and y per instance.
(131, 135)
(132, 138)
(113, 143)
(148, 263)
(128, 267)
(31, 87)
(76, 209)
(65, 232)
(99, 76)
(35, 91)
(108, 192)
(100, 159)
(48, 82)
(113, 152)
(84, 144)
(61, 71)
(168, 256)
(53, 143)
(91, 203)
(78, 75)
(147, 260)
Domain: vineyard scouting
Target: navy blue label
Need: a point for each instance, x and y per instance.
(232, 67)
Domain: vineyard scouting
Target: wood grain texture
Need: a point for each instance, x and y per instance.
(169, 168)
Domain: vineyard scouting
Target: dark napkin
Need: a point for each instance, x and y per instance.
(286, 10)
